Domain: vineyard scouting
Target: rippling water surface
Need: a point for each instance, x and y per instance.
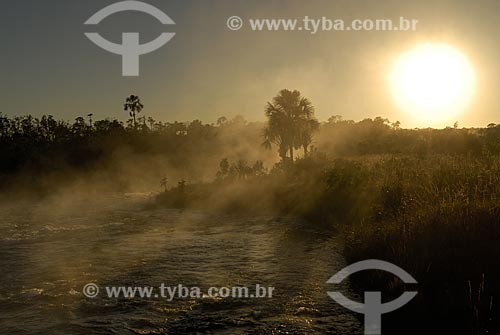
(50, 250)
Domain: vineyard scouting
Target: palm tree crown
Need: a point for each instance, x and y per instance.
(291, 123)
(134, 105)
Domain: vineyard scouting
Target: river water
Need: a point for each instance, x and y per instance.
(49, 250)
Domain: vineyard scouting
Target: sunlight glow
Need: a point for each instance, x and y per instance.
(433, 82)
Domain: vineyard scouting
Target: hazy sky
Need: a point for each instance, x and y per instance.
(206, 71)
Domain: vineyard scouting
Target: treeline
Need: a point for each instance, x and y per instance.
(37, 146)
(32, 148)
(380, 136)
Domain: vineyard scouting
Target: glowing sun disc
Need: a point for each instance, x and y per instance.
(432, 82)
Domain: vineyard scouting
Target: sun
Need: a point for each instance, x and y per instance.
(433, 82)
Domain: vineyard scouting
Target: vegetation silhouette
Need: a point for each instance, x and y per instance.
(134, 105)
(290, 124)
(425, 199)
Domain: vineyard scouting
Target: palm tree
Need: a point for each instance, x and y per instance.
(291, 123)
(134, 105)
(275, 133)
(306, 130)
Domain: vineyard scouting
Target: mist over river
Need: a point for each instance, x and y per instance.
(51, 249)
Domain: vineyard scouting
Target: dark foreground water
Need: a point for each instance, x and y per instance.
(50, 250)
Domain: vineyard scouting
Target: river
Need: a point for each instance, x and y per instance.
(51, 249)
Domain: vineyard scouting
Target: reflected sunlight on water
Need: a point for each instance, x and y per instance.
(51, 250)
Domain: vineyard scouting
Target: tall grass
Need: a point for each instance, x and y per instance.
(438, 218)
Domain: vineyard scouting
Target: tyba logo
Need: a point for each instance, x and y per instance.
(130, 49)
(373, 308)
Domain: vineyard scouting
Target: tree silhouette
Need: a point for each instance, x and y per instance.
(291, 123)
(164, 183)
(151, 122)
(222, 120)
(134, 105)
(306, 134)
(79, 126)
(223, 169)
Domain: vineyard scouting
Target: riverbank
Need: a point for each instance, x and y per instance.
(437, 217)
